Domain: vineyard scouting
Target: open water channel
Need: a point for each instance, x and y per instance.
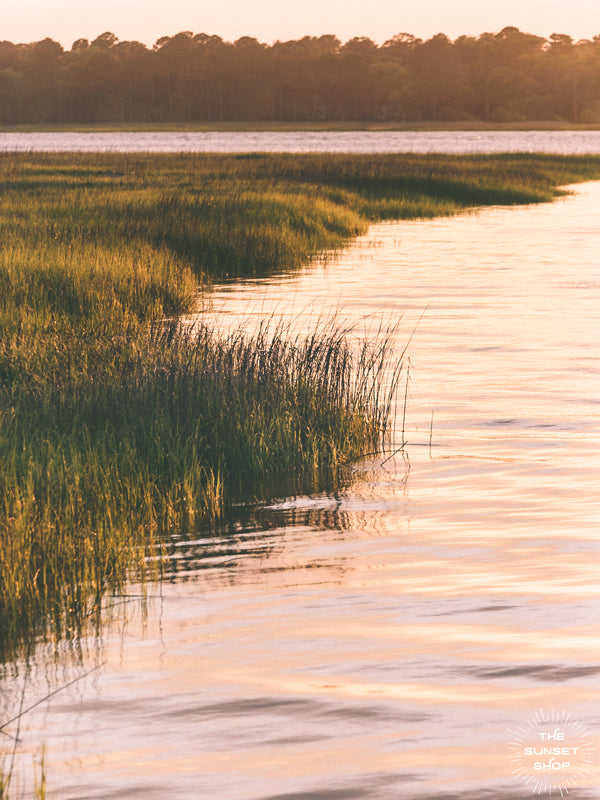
(567, 141)
(416, 634)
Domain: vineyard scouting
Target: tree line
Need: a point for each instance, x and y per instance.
(496, 77)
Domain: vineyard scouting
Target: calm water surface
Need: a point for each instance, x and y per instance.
(567, 142)
(377, 643)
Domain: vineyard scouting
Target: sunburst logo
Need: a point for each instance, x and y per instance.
(551, 753)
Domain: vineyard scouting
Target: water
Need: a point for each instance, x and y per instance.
(379, 643)
(566, 142)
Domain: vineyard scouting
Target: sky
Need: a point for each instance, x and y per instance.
(269, 20)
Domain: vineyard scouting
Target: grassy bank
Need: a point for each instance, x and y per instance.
(134, 230)
(116, 427)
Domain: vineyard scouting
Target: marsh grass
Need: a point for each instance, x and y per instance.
(246, 214)
(116, 425)
(112, 440)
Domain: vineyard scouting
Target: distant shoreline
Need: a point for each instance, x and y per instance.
(209, 127)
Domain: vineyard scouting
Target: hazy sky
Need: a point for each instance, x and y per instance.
(268, 20)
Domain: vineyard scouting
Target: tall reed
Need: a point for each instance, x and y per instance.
(111, 439)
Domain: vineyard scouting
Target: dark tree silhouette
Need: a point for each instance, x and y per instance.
(496, 77)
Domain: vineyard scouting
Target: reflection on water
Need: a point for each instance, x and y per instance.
(566, 142)
(378, 642)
